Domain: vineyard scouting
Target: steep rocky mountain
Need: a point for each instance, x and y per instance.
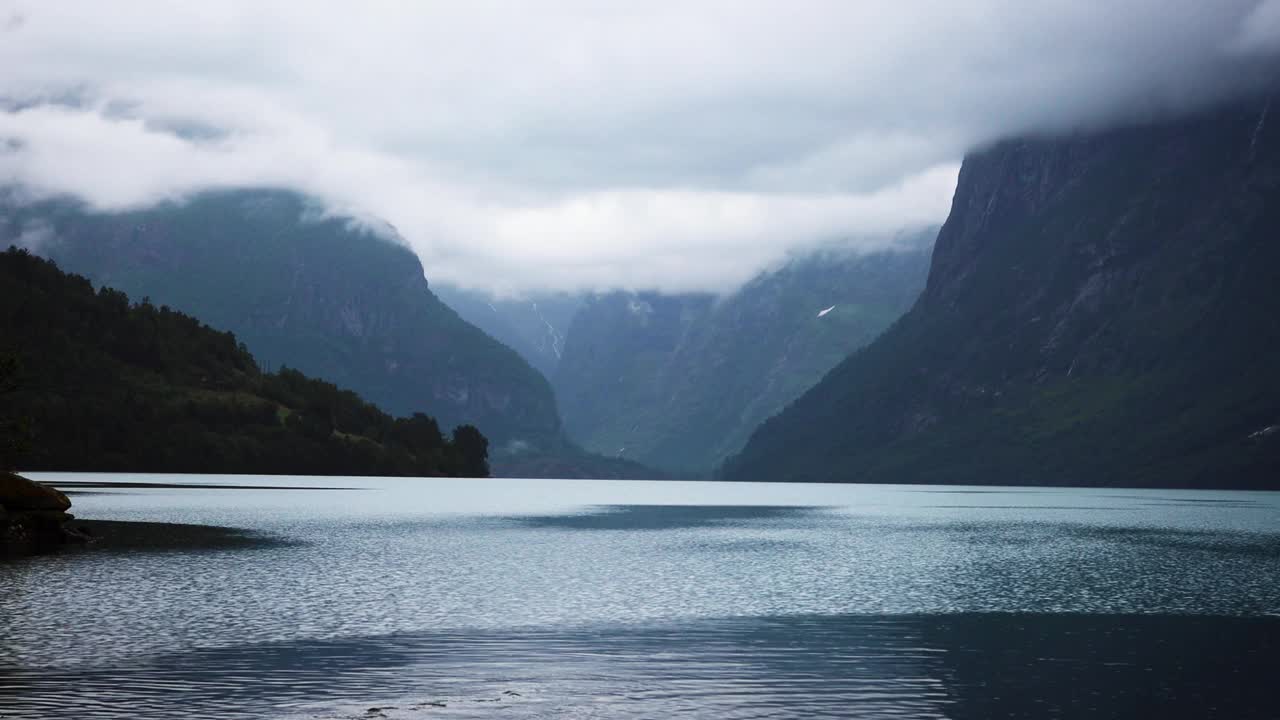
(678, 382)
(534, 326)
(1102, 309)
(315, 293)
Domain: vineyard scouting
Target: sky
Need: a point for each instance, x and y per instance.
(578, 145)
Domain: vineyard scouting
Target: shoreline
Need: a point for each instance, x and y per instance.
(35, 519)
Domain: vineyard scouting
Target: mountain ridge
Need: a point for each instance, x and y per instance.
(1064, 333)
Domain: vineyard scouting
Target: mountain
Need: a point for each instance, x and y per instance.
(534, 326)
(1102, 309)
(678, 382)
(105, 385)
(315, 293)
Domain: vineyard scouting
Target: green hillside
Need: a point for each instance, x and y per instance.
(98, 383)
(305, 290)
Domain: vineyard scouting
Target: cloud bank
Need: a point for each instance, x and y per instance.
(576, 145)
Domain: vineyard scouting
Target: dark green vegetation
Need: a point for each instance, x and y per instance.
(310, 292)
(1102, 309)
(680, 381)
(15, 431)
(107, 385)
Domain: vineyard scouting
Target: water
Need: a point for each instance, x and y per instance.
(580, 599)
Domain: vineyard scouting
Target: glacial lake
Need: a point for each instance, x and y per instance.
(588, 599)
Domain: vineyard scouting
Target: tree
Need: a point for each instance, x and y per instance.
(113, 386)
(15, 433)
(417, 434)
(471, 452)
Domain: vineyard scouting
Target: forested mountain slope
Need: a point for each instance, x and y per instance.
(101, 384)
(300, 289)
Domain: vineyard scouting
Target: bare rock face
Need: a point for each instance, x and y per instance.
(1100, 310)
(32, 516)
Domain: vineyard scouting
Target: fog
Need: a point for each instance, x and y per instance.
(674, 146)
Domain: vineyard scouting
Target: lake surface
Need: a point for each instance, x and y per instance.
(584, 599)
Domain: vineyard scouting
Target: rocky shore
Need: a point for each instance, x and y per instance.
(33, 517)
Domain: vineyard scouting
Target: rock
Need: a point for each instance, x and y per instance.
(78, 536)
(18, 493)
(32, 516)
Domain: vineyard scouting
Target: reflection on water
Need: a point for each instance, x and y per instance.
(958, 666)
(636, 600)
(664, 517)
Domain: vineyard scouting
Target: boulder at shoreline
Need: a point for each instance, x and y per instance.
(32, 516)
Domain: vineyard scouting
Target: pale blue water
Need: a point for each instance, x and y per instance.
(534, 598)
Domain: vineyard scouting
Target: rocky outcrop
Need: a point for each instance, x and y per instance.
(32, 517)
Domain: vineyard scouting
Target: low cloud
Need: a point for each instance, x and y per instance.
(673, 146)
(33, 236)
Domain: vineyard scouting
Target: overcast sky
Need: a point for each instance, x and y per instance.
(550, 144)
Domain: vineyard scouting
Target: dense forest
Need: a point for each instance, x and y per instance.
(90, 381)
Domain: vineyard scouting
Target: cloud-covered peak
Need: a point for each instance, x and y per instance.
(583, 145)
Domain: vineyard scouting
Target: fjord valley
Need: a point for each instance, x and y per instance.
(751, 361)
(679, 382)
(1096, 310)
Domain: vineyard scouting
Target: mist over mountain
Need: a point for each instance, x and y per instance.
(578, 151)
(714, 359)
(679, 381)
(315, 293)
(534, 326)
(97, 383)
(1101, 309)
(579, 148)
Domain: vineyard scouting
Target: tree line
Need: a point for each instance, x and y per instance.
(91, 381)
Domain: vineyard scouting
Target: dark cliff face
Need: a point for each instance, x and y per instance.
(312, 293)
(1100, 309)
(679, 382)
